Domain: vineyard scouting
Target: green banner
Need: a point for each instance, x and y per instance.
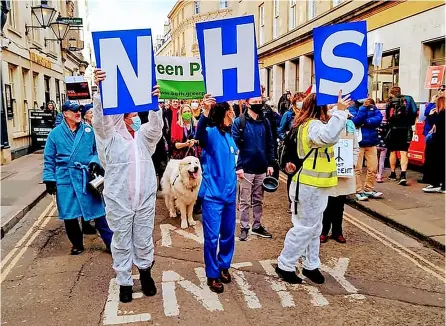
(179, 78)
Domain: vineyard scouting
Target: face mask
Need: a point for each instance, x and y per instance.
(194, 105)
(186, 116)
(136, 123)
(299, 105)
(257, 108)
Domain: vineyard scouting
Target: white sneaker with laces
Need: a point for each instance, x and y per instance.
(361, 197)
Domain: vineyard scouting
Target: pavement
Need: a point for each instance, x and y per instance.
(409, 209)
(379, 277)
(21, 189)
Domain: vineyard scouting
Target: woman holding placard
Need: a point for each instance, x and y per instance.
(311, 186)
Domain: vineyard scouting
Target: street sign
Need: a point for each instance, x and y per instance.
(76, 21)
(434, 77)
(41, 125)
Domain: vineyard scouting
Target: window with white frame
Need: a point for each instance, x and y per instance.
(276, 19)
(292, 18)
(311, 9)
(13, 15)
(336, 2)
(223, 4)
(12, 78)
(196, 7)
(262, 24)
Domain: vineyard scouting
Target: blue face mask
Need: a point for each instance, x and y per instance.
(136, 123)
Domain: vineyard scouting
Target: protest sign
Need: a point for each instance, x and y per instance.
(434, 77)
(343, 151)
(179, 78)
(127, 58)
(340, 61)
(228, 53)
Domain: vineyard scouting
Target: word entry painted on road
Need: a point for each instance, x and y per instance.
(179, 77)
(228, 53)
(127, 58)
(340, 61)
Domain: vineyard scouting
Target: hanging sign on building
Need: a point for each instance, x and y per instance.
(340, 61)
(127, 58)
(75, 21)
(179, 78)
(434, 77)
(229, 59)
(77, 88)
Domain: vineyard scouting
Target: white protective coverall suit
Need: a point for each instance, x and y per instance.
(302, 240)
(129, 187)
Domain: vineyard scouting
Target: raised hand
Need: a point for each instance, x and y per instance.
(99, 76)
(208, 103)
(343, 102)
(156, 91)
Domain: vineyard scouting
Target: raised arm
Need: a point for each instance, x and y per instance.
(153, 129)
(202, 134)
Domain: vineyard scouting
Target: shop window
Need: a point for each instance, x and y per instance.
(262, 24)
(381, 79)
(438, 58)
(270, 82)
(35, 87)
(58, 93)
(47, 89)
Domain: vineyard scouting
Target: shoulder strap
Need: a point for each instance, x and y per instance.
(242, 125)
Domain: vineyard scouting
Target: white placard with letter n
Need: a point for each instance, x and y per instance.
(343, 152)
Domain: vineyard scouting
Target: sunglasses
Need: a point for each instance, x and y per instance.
(441, 89)
(75, 110)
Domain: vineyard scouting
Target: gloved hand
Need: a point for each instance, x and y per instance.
(95, 169)
(350, 126)
(50, 187)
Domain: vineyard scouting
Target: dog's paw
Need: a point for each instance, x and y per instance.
(184, 225)
(173, 214)
(192, 222)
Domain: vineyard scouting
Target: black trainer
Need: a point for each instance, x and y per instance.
(125, 293)
(147, 283)
(290, 277)
(261, 232)
(314, 275)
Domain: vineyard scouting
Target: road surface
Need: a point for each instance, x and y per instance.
(380, 277)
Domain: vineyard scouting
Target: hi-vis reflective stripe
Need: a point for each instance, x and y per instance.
(313, 173)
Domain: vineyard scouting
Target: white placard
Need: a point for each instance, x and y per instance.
(343, 152)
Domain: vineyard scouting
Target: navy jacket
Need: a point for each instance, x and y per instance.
(256, 147)
(286, 123)
(369, 119)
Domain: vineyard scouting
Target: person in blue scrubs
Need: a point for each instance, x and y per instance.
(218, 190)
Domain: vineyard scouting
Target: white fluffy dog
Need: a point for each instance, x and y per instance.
(180, 183)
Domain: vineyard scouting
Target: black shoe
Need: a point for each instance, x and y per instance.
(314, 275)
(392, 176)
(77, 251)
(403, 181)
(225, 276)
(125, 293)
(243, 234)
(87, 228)
(290, 277)
(215, 285)
(261, 232)
(147, 283)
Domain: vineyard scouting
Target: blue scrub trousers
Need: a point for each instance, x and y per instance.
(219, 232)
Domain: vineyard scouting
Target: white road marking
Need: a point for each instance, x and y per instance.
(286, 298)
(202, 293)
(338, 273)
(26, 246)
(27, 234)
(251, 298)
(111, 309)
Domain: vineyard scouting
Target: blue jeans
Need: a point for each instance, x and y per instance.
(219, 232)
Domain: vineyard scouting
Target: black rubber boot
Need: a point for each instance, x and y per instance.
(125, 293)
(147, 283)
(314, 275)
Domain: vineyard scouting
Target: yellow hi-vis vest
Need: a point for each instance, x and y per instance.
(319, 168)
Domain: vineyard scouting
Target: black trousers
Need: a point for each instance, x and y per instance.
(333, 216)
(288, 183)
(76, 237)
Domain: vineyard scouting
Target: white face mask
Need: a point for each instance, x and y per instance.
(194, 105)
(299, 105)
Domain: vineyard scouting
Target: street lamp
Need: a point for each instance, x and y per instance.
(60, 30)
(44, 15)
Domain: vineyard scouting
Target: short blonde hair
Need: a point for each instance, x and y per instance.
(180, 115)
